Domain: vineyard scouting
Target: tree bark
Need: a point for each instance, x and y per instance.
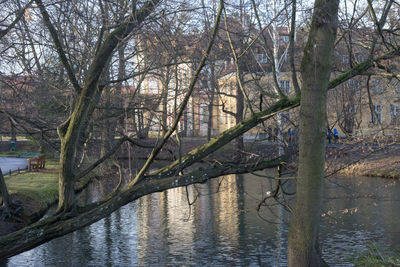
(239, 118)
(13, 131)
(71, 130)
(4, 192)
(62, 224)
(316, 66)
(211, 97)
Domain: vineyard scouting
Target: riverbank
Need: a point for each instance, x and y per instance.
(364, 160)
(34, 193)
(352, 159)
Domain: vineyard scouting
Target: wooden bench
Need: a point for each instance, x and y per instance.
(37, 163)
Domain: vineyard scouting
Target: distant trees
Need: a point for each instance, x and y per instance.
(365, 30)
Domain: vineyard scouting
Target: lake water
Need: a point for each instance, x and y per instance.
(224, 228)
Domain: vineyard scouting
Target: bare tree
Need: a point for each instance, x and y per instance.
(303, 249)
(90, 78)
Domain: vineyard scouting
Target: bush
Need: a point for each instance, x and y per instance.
(378, 256)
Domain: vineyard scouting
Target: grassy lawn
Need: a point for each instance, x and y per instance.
(37, 191)
(19, 154)
(19, 138)
(39, 187)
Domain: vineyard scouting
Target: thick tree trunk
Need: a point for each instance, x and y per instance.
(164, 116)
(210, 112)
(66, 180)
(72, 129)
(239, 118)
(210, 107)
(13, 131)
(4, 192)
(315, 70)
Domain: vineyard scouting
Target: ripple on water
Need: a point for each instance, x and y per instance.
(161, 229)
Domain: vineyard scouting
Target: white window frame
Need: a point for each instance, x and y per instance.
(353, 83)
(394, 113)
(344, 58)
(377, 86)
(231, 88)
(153, 86)
(284, 39)
(285, 86)
(262, 58)
(378, 114)
(361, 58)
(351, 110)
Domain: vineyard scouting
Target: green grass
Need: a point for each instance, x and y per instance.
(19, 154)
(378, 256)
(40, 186)
(19, 138)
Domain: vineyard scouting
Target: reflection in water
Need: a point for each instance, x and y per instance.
(223, 228)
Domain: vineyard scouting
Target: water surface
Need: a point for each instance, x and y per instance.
(221, 227)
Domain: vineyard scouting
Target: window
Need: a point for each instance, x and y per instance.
(344, 59)
(204, 113)
(203, 86)
(377, 117)
(231, 88)
(285, 57)
(353, 84)
(172, 83)
(232, 116)
(221, 117)
(153, 86)
(377, 87)
(351, 109)
(285, 38)
(185, 80)
(262, 58)
(350, 113)
(285, 86)
(394, 114)
(285, 116)
(361, 58)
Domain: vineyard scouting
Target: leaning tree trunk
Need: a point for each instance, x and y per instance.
(316, 65)
(71, 130)
(4, 192)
